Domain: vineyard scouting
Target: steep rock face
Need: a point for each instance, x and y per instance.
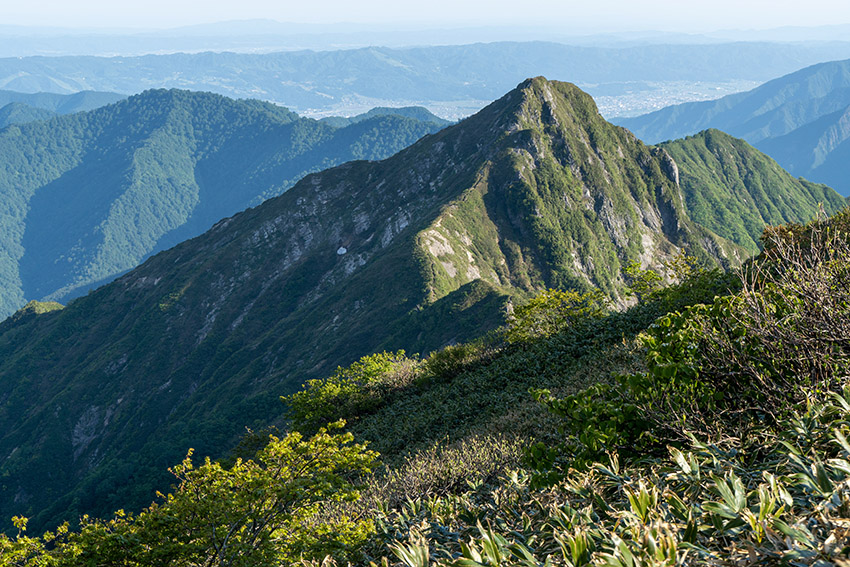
(412, 252)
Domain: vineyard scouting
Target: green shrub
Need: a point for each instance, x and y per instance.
(445, 469)
(349, 391)
(642, 282)
(758, 355)
(733, 367)
(704, 504)
(257, 512)
(448, 362)
(555, 311)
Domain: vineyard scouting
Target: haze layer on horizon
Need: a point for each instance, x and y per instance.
(571, 16)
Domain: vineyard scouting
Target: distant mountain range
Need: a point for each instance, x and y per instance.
(416, 251)
(453, 76)
(263, 36)
(19, 108)
(60, 103)
(90, 195)
(414, 112)
(800, 119)
(818, 150)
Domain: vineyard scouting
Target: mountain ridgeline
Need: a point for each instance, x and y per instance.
(772, 109)
(818, 150)
(90, 195)
(57, 103)
(19, 108)
(414, 252)
(735, 190)
(327, 79)
(20, 113)
(415, 112)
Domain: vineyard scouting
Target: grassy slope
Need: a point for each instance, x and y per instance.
(772, 490)
(734, 190)
(481, 389)
(655, 502)
(536, 190)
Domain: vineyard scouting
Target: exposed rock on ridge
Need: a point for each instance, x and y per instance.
(534, 191)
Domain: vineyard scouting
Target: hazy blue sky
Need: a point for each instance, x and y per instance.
(592, 15)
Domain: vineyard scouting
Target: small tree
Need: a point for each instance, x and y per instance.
(349, 390)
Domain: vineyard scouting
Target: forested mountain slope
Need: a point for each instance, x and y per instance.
(90, 195)
(690, 428)
(19, 113)
(416, 112)
(67, 103)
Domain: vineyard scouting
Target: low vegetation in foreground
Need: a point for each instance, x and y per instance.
(706, 425)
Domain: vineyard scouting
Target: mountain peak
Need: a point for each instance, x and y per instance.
(539, 101)
(549, 90)
(563, 184)
(412, 252)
